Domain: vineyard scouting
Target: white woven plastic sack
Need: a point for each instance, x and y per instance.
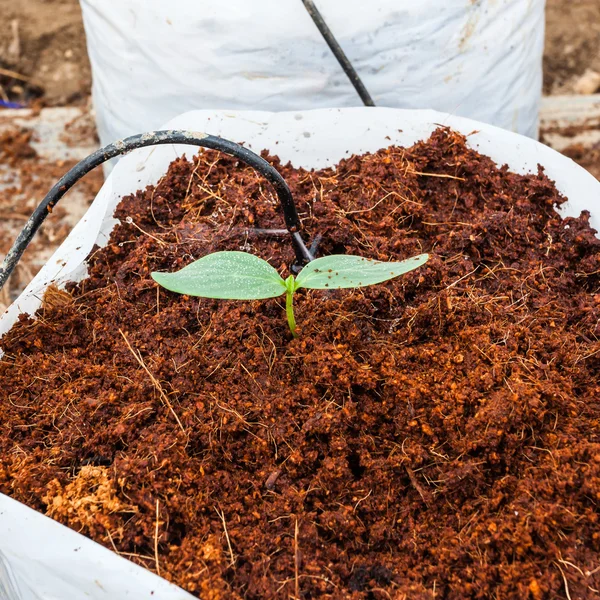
(42, 560)
(153, 59)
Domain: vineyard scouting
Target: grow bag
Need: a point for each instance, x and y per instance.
(482, 60)
(42, 559)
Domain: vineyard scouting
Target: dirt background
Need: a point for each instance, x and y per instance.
(44, 40)
(572, 43)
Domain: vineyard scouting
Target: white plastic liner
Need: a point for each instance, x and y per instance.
(153, 60)
(43, 560)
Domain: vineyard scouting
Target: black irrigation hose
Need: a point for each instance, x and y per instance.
(292, 221)
(328, 36)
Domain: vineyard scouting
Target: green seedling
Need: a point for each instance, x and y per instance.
(243, 276)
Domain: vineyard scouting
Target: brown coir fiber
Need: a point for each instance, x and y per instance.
(436, 436)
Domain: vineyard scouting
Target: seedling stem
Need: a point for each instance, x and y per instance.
(290, 288)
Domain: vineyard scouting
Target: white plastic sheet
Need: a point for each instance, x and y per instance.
(153, 60)
(41, 559)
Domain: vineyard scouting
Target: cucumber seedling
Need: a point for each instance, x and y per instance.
(243, 276)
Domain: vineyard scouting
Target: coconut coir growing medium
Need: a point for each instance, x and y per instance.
(436, 436)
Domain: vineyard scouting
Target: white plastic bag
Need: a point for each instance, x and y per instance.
(56, 563)
(153, 60)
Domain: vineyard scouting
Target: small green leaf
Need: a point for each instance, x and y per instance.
(346, 271)
(226, 275)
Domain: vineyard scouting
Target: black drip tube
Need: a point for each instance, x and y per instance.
(153, 138)
(340, 55)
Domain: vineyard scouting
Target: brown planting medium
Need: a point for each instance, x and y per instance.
(436, 436)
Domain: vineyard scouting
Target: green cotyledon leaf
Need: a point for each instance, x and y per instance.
(226, 275)
(347, 271)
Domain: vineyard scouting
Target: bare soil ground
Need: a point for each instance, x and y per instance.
(44, 41)
(27, 172)
(572, 43)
